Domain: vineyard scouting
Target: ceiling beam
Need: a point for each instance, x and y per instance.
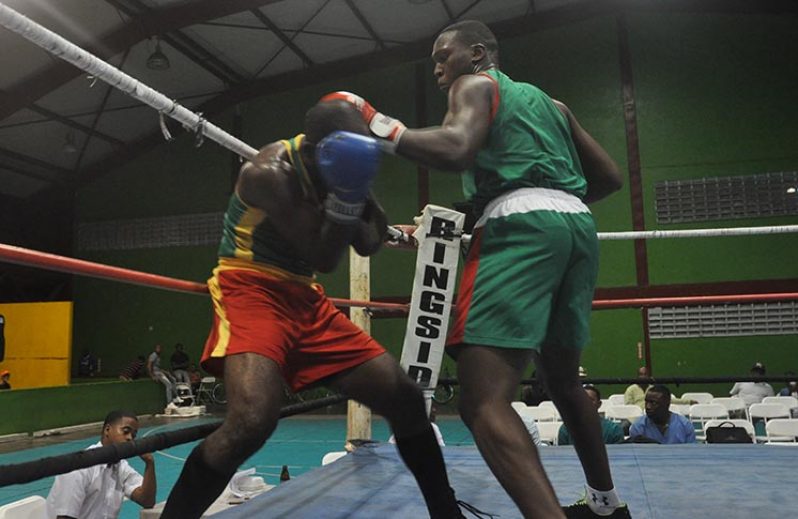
(90, 132)
(183, 15)
(449, 12)
(181, 42)
(187, 46)
(34, 162)
(288, 42)
(37, 169)
(26, 92)
(468, 8)
(420, 50)
(366, 25)
(25, 173)
(100, 111)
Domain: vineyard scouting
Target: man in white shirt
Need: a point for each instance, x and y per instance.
(97, 492)
(753, 392)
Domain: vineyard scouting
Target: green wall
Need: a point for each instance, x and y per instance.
(29, 410)
(714, 95)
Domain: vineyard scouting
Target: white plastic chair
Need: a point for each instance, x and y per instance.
(616, 399)
(517, 405)
(703, 412)
(617, 413)
(782, 430)
(700, 413)
(539, 414)
(790, 401)
(605, 403)
(733, 404)
(701, 398)
(332, 456)
(739, 422)
(682, 409)
(549, 432)
(767, 412)
(32, 507)
(549, 403)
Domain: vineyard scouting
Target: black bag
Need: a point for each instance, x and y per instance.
(727, 432)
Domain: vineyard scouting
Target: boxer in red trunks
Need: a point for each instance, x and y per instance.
(295, 210)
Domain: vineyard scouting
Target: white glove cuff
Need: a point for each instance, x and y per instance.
(340, 212)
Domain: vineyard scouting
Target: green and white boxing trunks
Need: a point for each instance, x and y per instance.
(530, 273)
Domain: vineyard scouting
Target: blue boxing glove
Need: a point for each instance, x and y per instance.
(347, 163)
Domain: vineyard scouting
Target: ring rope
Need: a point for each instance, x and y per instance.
(401, 236)
(698, 233)
(27, 257)
(625, 381)
(32, 258)
(34, 470)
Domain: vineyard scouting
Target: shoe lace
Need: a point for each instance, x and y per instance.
(475, 511)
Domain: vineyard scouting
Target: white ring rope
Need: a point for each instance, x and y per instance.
(400, 236)
(698, 233)
(84, 60)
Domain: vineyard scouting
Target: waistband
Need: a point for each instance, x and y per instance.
(528, 199)
(263, 268)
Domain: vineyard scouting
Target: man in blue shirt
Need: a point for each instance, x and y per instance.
(660, 424)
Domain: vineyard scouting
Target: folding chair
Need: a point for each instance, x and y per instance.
(765, 413)
(618, 413)
(615, 399)
(549, 431)
(790, 401)
(701, 413)
(549, 403)
(517, 405)
(782, 430)
(701, 398)
(32, 507)
(682, 409)
(205, 390)
(734, 405)
(738, 422)
(539, 414)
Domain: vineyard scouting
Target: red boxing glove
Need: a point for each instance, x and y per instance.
(380, 125)
(361, 104)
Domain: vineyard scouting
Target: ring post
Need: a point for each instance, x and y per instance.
(358, 416)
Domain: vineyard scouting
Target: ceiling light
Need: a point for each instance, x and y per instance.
(158, 60)
(69, 145)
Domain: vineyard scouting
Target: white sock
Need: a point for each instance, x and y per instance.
(602, 502)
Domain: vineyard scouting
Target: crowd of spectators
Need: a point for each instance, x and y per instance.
(659, 423)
